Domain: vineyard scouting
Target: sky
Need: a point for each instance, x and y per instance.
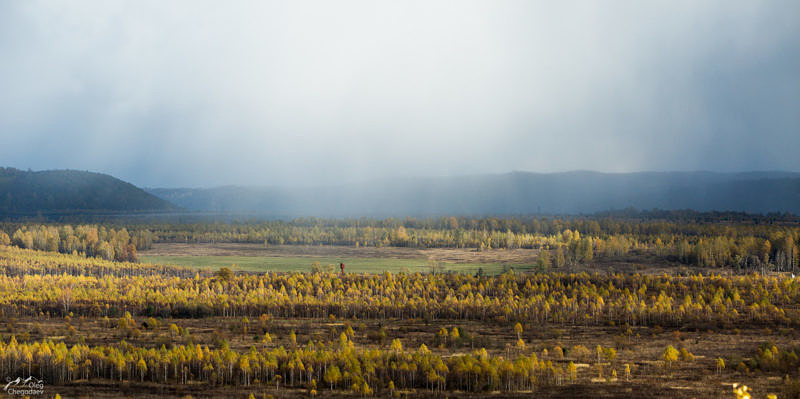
(200, 94)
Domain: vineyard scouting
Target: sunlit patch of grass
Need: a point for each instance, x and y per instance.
(352, 265)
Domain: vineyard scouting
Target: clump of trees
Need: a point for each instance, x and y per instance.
(768, 357)
(89, 240)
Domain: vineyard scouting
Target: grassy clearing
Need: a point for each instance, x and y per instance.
(352, 265)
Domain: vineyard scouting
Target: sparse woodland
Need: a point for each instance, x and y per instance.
(138, 310)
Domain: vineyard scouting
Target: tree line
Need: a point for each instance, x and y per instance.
(533, 299)
(335, 365)
(89, 240)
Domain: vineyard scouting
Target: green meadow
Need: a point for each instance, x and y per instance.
(303, 264)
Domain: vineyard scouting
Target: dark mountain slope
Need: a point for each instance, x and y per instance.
(61, 191)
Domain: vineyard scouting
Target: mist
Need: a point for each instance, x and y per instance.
(200, 94)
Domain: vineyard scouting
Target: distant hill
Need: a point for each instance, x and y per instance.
(508, 194)
(71, 191)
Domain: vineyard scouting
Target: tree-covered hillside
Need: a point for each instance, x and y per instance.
(57, 191)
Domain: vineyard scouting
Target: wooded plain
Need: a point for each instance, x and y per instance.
(579, 307)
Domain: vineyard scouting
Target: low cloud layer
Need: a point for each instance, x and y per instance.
(189, 93)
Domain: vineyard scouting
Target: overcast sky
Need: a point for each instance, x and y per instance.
(197, 94)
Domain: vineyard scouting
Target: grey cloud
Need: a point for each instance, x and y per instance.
(189, 93)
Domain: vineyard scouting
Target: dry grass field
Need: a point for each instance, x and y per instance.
(285, 258)
(257, 258)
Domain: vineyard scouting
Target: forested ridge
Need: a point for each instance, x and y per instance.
(70, 191)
